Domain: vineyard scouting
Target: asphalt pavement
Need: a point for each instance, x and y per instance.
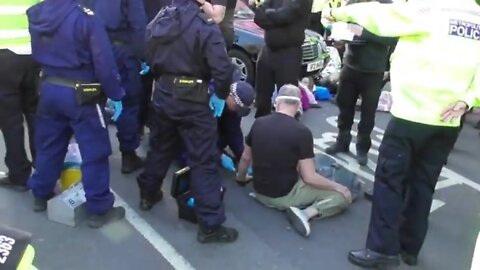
(158, 240)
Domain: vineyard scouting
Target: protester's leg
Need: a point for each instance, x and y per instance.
(265, 84)
(422, 181)
(318, 203)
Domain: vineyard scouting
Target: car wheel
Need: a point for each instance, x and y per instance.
(242, 61)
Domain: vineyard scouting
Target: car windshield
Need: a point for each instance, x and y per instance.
(242, 11)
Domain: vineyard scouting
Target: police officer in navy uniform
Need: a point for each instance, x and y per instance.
(185, 50)
(125, 21)
(75, 55)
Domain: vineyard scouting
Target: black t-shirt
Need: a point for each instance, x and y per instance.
(278, 142)
(226, 26)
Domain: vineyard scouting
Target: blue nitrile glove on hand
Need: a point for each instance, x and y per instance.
(250, 171)
(116, 107)
(217, 105)
(227, 163)
(145, 69)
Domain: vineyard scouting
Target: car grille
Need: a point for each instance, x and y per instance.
(311, 51)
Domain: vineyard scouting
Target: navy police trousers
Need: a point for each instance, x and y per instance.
(410, 160)
(195, 125)
(58, 118)
(128, 124)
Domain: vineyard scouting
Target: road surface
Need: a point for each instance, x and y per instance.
(158, 240)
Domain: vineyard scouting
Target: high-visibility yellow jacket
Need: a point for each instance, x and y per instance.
(437, 59)
(319, 5)
(14, 33)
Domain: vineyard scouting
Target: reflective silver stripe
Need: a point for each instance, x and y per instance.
(233, 93)
(10, 34)
(100, 116)
(13, 10)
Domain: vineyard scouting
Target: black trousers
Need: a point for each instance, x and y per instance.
(174, 122)
(18, 98)
(145, 108)
(353, 84)
(278, 68)
(410, 160)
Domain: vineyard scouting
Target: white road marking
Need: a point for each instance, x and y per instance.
(153, 237)
(452, 178)
(476, 255)
(436, 204)
(446, 183)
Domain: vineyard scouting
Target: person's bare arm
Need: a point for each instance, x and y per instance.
(216, 12)
(312, 178)
(244, 163)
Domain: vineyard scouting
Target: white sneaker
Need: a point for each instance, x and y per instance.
(298, 220)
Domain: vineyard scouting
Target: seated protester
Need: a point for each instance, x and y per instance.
(284, 176)
(237, 105)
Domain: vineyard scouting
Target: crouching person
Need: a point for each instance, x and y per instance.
(284, 176)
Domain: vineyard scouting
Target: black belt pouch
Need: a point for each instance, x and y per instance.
(190, 89)
(89, 93)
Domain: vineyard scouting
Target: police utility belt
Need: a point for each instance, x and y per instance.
(186, 88)
(85, 93)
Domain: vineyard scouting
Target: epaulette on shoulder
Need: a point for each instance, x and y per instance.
(205, 18)
(86, 10)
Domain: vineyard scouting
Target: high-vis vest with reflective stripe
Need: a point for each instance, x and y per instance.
(14, 25)
(437, 59)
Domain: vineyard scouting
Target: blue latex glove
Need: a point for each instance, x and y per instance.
(145, 69)
(217, 105)
(250, 171)
(227, 163)
(115, 106)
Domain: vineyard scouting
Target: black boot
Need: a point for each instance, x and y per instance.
(147, 201)
(408, 259)
(40, 205)
(364, 142)
(217, 234)
(131, 162)
(370, 259)
(362, 158)
(8, 183)
(115, 213)
(342, 145)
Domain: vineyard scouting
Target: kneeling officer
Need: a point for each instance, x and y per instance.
(73, 49)
(185, 50)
